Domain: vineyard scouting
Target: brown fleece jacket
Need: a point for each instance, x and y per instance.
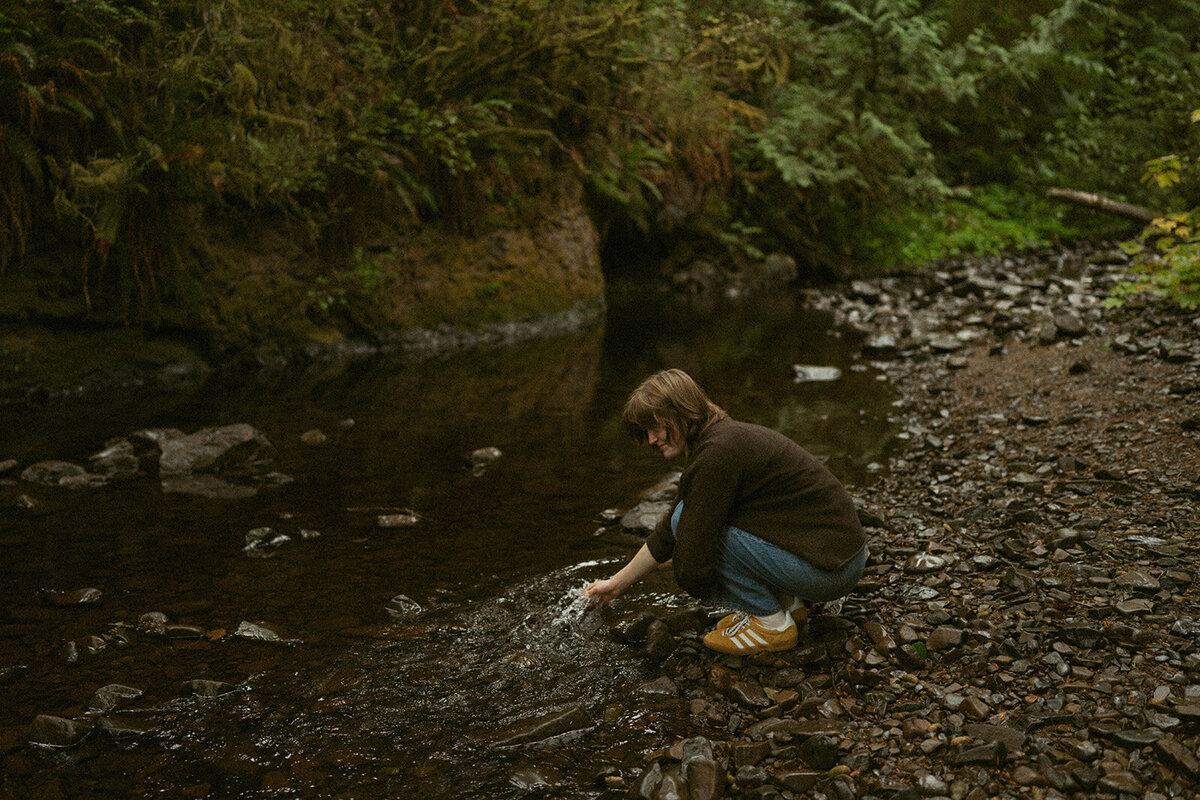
(758, 480)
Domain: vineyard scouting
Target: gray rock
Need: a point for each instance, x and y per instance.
(124, 728)
(153, 622)
(659, 687)
(820, 751)
(1013, 739)
(881, 346)
(49, 731)
(259, 633)
(209, 688)
(483, 458)
(73, 597)
(659, 642)
(402, 607)
(118, 460)
(1138, 581)
(924, 562)
(1135, 606)
(112, 696)
(1068, 323)
(944, 637)
(645, 515)
(229, 447)
(262, 542)
(551, 725)
(51, 473)
(944, 343)
(809, 374)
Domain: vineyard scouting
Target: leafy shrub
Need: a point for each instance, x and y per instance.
(1167, 254)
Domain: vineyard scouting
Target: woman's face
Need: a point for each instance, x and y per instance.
(665, 439)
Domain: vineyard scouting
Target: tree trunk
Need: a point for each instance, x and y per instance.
(1140, 213)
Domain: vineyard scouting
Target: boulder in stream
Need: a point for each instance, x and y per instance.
(50, 731)
(237, 447)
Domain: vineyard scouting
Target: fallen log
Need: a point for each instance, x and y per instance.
(1101, 203)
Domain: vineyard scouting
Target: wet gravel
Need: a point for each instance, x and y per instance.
(1028, 624)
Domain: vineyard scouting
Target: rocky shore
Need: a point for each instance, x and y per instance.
(1028, 624)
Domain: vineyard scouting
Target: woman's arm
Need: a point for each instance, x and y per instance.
(638, 566)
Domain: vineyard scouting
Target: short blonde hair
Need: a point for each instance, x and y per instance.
(672, 399)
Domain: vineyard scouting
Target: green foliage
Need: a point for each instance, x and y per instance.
(983, 221)
(832, 129)
(1167, 254)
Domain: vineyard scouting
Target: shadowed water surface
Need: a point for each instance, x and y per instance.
(356, 700)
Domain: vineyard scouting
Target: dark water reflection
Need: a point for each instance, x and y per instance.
(359, 704)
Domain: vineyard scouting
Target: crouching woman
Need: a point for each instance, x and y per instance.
(760, 526)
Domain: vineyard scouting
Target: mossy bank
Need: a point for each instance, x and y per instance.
(262, 293)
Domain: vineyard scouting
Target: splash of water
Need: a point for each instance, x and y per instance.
(573, 606)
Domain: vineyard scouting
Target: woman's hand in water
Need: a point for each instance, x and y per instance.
(631, 573)
(603, 591)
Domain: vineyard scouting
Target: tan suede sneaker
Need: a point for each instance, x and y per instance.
(797, 608)
(748, 635)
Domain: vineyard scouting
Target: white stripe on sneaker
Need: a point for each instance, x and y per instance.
(754, 635)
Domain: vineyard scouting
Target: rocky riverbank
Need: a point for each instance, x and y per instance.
(1028, 624)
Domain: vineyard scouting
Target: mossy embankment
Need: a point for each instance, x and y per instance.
(262, 292)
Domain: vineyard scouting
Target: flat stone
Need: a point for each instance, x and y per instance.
(1179, 756)
(1028, 776)
(1135, 606)
(113, 696)
(944, 637)
(992, 753)
(924, 562)
(1012, 738)
(1119, 783)
(545, 726)
(659, 687)
(800, 781)
(974, 708)
(1136, 739)
(810, 374)
(1138, 581)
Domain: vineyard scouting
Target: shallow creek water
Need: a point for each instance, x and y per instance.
(357, 703)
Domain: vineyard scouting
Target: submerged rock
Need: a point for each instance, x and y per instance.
(563, 721)
(209, 486)
(208, 688)
(73, 597)
(402, 607)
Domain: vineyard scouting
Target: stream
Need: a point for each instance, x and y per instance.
(409, 661)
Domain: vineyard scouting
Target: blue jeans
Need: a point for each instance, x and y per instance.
(753, 573)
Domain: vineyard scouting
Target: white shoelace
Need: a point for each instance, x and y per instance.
(740, 621)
